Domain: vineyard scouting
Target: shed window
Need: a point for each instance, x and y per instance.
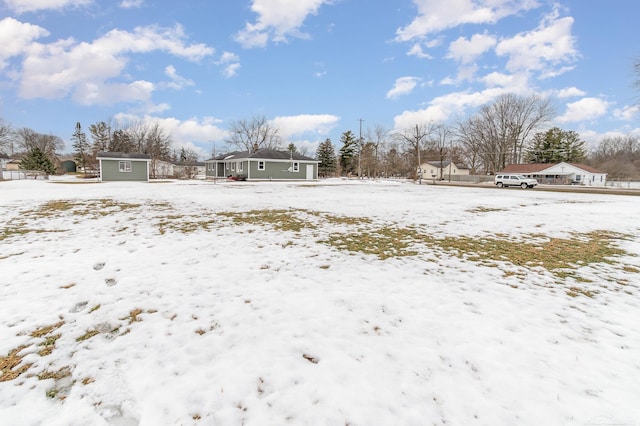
(296, 167)
(124, 166)
(260, 165)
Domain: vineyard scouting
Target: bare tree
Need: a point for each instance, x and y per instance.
(414, 140)
(157, 143)
(469, 137)
(502, 128)
(27, 140)
(254, 134)
(378, 137)
(6, 134)
(441, 145)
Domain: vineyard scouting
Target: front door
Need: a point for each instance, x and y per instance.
(310, 172)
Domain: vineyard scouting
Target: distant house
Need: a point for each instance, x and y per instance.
(263, 164)
(442, 169)
(188, 169)
(560, 173)
(120, 166)
(3, 161)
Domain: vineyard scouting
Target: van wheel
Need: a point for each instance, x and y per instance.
(499, 184)
(524, 186)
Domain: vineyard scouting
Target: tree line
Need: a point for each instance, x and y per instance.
(511, 130)
(41, 152)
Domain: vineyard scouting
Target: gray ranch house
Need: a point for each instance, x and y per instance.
(121, 166)
(262, 164)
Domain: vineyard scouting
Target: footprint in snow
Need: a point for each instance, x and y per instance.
(110, 282)
(98, 266)
(78, 307)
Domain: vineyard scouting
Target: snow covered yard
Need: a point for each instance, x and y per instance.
(332, 303)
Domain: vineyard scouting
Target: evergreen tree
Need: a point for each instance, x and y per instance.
(327, 157)
(292, 148)
(348, 151)
(81, 147)
(101, 135)
(555, 146)
(37, 160)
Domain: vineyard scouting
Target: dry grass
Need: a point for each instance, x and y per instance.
(10, 365)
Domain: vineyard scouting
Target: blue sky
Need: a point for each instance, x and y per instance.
(314, 68)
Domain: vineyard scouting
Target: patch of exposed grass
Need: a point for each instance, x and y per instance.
(577, 291)
(554, 254)
(88, 335)
(47, 329)
(48, 344)
(384, 243)
(482, 209)
(19, 232)
(281, 220)
(10, 365)
(55, 375)
(631, 269)
(95, 308)
(133, 316)
(184, 224)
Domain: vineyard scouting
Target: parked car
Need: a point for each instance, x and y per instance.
(514, 180)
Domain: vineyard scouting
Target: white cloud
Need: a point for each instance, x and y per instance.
(16, 37)
(626, 113)
(517, 83)
(177, 82)
(277, 20)
(89, 70)
(21, 6)
(437, 15)
(570, 92)
(418, 51)
(297, 125)
(547, 49)
(584, 109)
(403, 86)
(467, 50)
(131, 4)
(444, 108)
(231, 64)
(90, 93)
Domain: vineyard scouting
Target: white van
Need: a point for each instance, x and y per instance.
(514, 180)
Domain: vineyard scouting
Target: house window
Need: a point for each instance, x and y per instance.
(226, 166)
(212, 166)
(296, 167)
(240, 166)
(124, 166)
(260, 165)
(233, 167)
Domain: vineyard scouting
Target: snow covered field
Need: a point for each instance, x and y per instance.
(193, 303)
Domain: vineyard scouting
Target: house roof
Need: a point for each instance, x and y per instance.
(539, 167)
(263, 154)
(445, 164)
(124, 155)
(189, 163)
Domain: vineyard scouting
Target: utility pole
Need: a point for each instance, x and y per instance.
(360, 149)
(419, 163)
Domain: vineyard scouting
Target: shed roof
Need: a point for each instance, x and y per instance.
(263, 154)
(124, 155)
